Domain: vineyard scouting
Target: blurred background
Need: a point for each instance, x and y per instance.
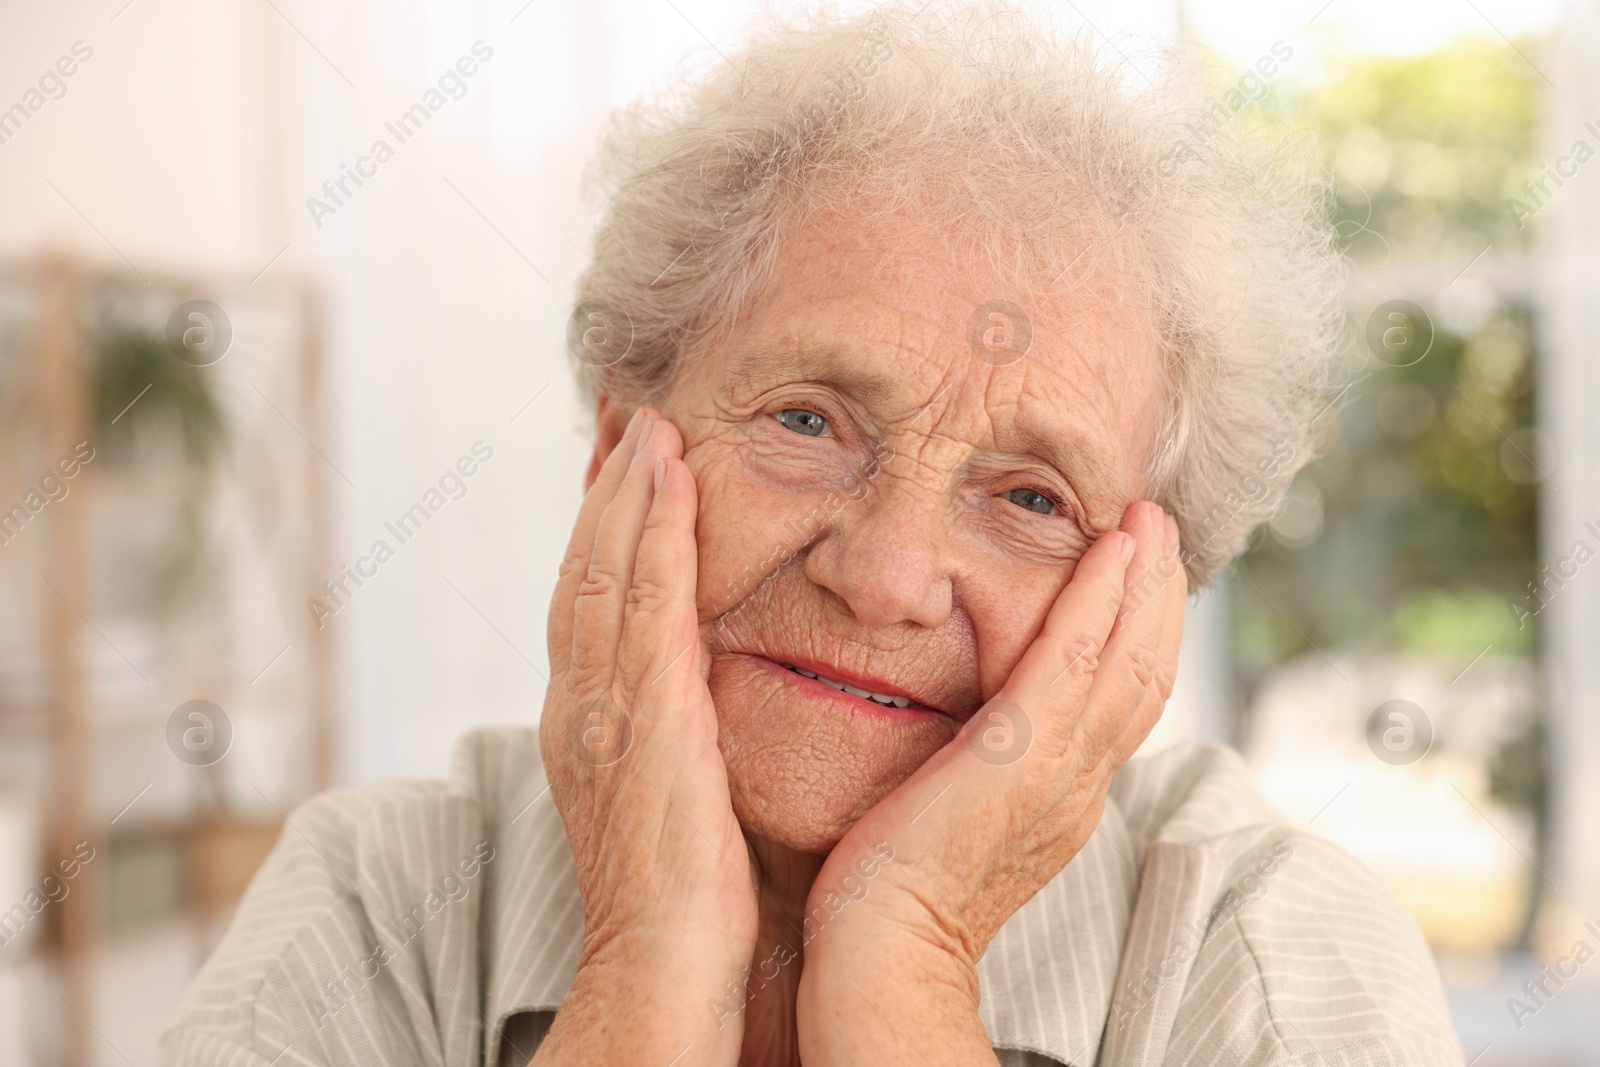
(223, 381)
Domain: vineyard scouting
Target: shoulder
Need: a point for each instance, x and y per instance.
(1189, 792)
(1256, 942)
(1309, 955)
(369, 902)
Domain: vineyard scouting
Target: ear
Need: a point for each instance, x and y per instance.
(610, 422)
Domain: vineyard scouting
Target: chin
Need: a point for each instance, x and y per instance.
(805, 762)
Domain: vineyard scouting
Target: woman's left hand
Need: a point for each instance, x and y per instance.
(993, 816)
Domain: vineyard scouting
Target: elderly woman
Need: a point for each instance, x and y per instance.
(933, 364)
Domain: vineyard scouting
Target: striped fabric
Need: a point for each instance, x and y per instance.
(439, 923)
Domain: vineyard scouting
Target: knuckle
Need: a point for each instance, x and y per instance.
(1142, 663)
(599, 580)
(1153, 672)
(649, 596)
(1166, 680)
(1080, 663)
(1086, 663)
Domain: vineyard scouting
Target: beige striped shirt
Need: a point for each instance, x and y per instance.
(438, 923)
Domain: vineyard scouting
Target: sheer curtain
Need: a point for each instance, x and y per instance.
(451, 270)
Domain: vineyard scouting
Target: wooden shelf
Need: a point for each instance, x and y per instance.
(80, 697)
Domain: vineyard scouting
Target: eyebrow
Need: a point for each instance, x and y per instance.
(1077, 458)
(847, 376)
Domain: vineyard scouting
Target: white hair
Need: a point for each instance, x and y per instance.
(1039, 149)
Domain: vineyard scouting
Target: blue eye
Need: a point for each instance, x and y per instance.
(1032, 500)
(802, 421)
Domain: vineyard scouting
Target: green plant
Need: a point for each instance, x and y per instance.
(133, 366)
(152, 411)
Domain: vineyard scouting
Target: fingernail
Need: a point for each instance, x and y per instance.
(1172, 533)
(1128, 545)
(633, 424)
(661, 472)
(644, 433)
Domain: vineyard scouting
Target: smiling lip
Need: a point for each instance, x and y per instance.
(878, 687)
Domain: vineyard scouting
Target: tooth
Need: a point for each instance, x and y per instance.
(877, 698)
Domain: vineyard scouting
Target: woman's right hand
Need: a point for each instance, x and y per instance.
(629, 741)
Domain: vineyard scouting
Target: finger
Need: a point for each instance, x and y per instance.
(1133, 680)
(661, 636)
(574, 565)
(663, 642)
(1174, 594)
(1059, 665)
(1178, 590)
(601, 603)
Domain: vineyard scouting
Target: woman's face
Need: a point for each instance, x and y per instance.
(883, 507)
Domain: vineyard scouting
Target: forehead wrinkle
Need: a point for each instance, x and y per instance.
(763, 362)
(1081, 450)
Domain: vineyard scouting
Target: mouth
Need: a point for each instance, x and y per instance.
(864, 695)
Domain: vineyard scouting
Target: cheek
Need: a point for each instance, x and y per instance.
(738, 529)
(746, 528)
(1008, 607)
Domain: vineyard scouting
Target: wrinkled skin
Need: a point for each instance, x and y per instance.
(845, 485)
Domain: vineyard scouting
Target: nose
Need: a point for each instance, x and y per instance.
(887, 556)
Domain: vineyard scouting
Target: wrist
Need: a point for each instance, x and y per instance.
(883, 1002)
(648, 996)
(888, 929)
(891, 965)
(687, 946)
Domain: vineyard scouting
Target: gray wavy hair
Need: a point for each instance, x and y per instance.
(1038, 148)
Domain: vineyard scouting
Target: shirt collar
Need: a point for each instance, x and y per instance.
(1045, 983)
